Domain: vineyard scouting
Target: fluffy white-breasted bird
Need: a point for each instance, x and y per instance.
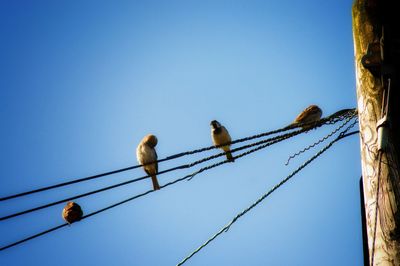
(72, 212)
(311, 114)
(220, 135)
(146, 154)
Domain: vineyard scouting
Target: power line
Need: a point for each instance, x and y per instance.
(316, 143)
(185, 166)
(34, 236)
(226, 228)
(187, 177)
(340, 115)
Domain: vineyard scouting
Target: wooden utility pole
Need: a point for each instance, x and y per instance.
(377, 56)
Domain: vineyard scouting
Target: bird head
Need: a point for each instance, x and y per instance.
(316, 110)
(215, 124)
(150, 140)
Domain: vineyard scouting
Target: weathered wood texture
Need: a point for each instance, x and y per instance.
(367, 28)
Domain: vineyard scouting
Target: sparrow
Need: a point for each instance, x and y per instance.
(219, 136)
(311, 114)
(145, 154)
(72, 212)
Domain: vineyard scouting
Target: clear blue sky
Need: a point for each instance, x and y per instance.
(83, 81)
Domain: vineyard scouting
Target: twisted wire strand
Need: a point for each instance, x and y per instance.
(319, 141)
(185, 166)
(187, 177)
(334, 118)
(226, 228)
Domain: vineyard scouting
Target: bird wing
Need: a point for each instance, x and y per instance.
(306, 113)
(227, 137)
(156, 164)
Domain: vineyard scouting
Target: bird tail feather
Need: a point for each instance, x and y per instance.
(229, 156)
(156, 186)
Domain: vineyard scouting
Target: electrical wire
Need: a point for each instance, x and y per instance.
(338, 116)
(317, 142)
(263, 197)
(187, 177)
(185, 166)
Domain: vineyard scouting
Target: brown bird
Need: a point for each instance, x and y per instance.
(146, 153)
(311, 114)
(72, 212)
(219, 136)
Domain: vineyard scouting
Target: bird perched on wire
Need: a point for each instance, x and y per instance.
(72, 212)
(220, 136)
(311, 114)
(146, 155)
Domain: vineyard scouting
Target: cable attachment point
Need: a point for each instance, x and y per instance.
(372, 60)
(383, 124)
